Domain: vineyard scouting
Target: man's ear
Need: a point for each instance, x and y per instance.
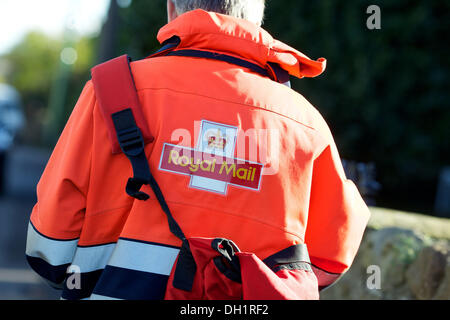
(171, 11)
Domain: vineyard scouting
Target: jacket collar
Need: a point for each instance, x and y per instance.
(212, 31)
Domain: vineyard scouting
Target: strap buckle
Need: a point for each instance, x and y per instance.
(131, 141)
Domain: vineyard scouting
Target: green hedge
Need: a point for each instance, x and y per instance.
(385, 93)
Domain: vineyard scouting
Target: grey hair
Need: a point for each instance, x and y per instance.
(251, 10)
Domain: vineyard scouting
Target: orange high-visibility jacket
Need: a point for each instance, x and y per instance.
(291, 189)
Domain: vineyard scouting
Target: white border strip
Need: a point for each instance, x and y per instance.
(144, 257)
(100, 297)
(95, 258)
(54, 252)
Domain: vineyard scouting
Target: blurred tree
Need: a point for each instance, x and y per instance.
(108, 37)
(31, 61)
(384, 93)
(33, 65)
(140, 23)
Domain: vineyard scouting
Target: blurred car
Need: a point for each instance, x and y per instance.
(12, 120)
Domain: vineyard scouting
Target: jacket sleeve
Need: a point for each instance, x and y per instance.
(337, 218)
(57, 218)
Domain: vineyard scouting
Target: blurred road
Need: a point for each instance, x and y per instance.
(17, 281)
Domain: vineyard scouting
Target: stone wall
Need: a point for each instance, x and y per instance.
(402, 256)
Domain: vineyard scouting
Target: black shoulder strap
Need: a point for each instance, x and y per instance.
(132, 144)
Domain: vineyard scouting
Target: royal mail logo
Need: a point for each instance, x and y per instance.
(211, 165)
(191, 162)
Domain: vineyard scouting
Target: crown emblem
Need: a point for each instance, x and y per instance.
(216, 140)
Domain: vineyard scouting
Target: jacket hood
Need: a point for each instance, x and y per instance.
(212, 31)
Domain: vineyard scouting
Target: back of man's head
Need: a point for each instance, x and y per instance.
(251, 10)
